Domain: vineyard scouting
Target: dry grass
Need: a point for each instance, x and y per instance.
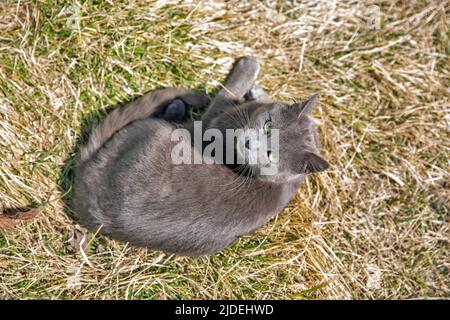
(374, 226)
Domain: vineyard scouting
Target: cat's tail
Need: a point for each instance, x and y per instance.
(148, 105)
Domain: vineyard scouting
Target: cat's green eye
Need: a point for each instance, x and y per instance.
(273, 157)
(268, 127)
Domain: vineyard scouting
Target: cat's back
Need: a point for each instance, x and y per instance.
(111, 175)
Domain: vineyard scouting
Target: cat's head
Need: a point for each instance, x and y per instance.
(278, 142)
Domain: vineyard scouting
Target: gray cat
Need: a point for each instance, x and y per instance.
(127, 185)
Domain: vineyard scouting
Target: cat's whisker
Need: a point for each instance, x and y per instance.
(240, 172)
(235, 116)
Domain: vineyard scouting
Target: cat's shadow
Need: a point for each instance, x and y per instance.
(89, 122)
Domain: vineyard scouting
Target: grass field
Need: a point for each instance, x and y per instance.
(376, 225)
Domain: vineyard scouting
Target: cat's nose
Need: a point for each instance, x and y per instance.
(247, 143)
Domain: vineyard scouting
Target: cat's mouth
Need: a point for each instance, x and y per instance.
(252, 154)
(241, 153)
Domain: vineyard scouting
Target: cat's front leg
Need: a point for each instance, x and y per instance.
(241, 79)
(238, 83)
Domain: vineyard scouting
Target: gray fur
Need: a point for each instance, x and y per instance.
(127, 185)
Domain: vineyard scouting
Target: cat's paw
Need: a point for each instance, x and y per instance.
(257, 93)
(248, 65)
(175, 111)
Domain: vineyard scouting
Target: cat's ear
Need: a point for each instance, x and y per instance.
(310, 163)
(306, 107)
